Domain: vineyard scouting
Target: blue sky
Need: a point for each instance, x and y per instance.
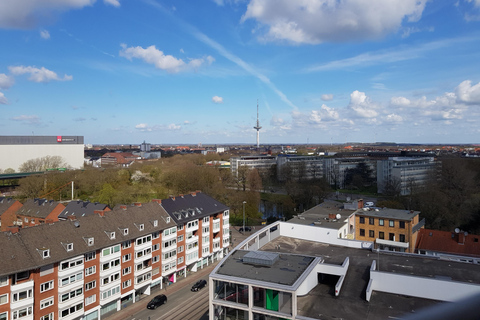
(188, 72)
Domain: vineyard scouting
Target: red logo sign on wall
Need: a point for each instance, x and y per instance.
(59, 138)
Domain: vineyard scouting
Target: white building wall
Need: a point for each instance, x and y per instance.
(15, 155)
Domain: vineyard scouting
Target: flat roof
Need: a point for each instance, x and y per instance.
(388, 213)
(320, 215)
(286, 269)
(351, 303)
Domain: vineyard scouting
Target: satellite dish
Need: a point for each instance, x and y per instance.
(348, 198)
(465, 233)
(338, 216)
(76, 224)
(457, 230)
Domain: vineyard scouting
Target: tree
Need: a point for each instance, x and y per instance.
(42, 164)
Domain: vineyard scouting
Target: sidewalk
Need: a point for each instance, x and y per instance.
(181, 283)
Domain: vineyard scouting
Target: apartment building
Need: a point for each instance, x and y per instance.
(80, 208)
(87, 267)
(336, 169)
(38, 211)
(299, 167)
(404, 173)
(389, 229)
(252, 162)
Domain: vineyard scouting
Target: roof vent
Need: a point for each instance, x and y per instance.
(261, 258)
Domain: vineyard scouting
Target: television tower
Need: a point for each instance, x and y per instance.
(257, 127)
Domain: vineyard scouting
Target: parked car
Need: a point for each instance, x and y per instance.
(157, 301)
(369, 204)
(199, 285)
(246, 229)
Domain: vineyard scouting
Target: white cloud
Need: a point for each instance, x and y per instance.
(217, 99)
(143, 127)
(219, 2)
(316, 21)
(394, 118)
(467, 93)
(21, 14)
(3, 99)
(400, 101)
(362, 105)
(324, 114)
(161, 61)
(327, 97)
(6, 81)
(27, 119)
(173, 126)
(114, 3)
(38, 75)
(45, 34)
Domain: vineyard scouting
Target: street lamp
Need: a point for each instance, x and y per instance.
(244, 216)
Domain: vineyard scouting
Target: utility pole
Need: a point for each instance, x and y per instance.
(244, 216)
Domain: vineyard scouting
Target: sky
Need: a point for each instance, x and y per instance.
(191, 72)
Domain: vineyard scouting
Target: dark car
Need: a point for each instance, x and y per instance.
(199, 285)
(157, 301)
(246, 229)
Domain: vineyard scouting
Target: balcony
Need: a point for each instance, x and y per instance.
(191, 239)
(216, 225)
(192, 228)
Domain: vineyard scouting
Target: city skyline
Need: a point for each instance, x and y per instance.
(176, 72)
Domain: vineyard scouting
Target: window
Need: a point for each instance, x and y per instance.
(143, 277)
(192, 224)
(401, 224)
(107, 294)
(111, 250)
(391, 236)
(206, 220)
(90, 256)
(180, 260)
(143, 240)
(71, 279)
(22, 313)
(45, 253)
(111, 235)
(3, 281)
(371, 233)
(69, 247)
(180, 249)
(402, 238)
(90, 270)
(111, 278)
(362, 232)
(391, 223)
(180, 227)
(225, 213)
(126, 244)
(127, 257)
(126, 270)
(22, 275)
(381, 235)
(72, 294)
(156, 247)
(22, 295)
(180, 238)
(371, 221)
(90, 300)
(125, 231)
(169, 254)
(110, 264)
(156, 259)
(90, 241)
(141, 227)
(46, 286)
(126, 284)
(156, 235)
(143, 252)
(90, 285)
(381, 222)
(45, 303)
(170, 243)
(168, 220)
(3, 316)
(4, 298)
(155, 223)
(72, 309)
(71, 264)
(362, 220)
(45, 317)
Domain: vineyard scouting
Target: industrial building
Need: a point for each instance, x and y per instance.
(16, 150)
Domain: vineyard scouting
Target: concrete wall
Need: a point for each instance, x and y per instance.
(16, 155)
(427, 288)
(319, 234)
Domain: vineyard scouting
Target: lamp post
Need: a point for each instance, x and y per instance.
(244, 216)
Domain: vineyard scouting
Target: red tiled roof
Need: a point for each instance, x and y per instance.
(448, 242)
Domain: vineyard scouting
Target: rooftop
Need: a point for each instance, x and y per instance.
(324, 215)
(285, 270)
(388, 213)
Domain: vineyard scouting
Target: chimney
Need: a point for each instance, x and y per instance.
(137, 204)
(101, 213)
(180, 195)
(360, 203)
(124, 207)
(12, 229)
(72, 217)
(159, 201)
(194, 193)
(49, 221)
(331, 216)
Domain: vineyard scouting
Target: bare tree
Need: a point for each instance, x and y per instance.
(42, 164)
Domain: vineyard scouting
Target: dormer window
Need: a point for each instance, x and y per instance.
(124, 231)
(168, 219)
(44, 252)
(89, 240)
(141, 227)
(155, 223)
(69, 246)
(110, 234)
